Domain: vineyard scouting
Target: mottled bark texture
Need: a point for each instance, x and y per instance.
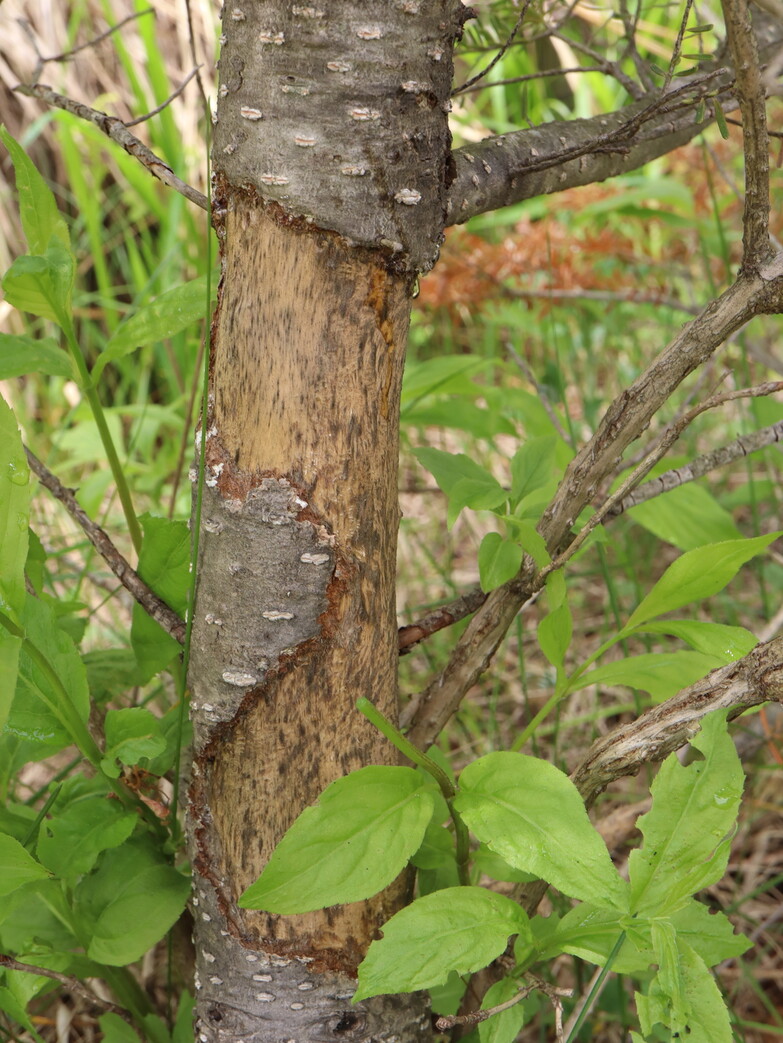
(331, 169)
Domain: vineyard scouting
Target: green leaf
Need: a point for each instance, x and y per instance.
(131, 734)
(14, 517)
(503, 1027)
(554, 634)
(22, 355)
(591, 934)
(436, 849)
(499, 560)
(531, 814)
(115, 1030)
(351, 845)
(41, 220)
(698, 574)
(714, 639)
(129, 903)
(41, 712)
(17, 866)
(449, 468)
(16, 1010)
(164, 564)
(70, 843)
(42, 284)
(443, 374)
(686, 1001)
(720, 118)
(460, 929)
(710, 933)
(173, 311)
(688, 831)
(662, 674)
(533, 467)
(688, 516)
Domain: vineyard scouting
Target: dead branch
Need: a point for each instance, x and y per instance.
(102, 542)
(114, 128)
(702, 465)
(69, 981)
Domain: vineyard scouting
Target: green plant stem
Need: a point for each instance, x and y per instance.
(598, 985)
(182, 680)
(406, 747)
(96, 407)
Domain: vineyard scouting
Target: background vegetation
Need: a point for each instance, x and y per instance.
(534, 318)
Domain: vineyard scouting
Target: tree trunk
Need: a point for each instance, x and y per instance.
(331, 159)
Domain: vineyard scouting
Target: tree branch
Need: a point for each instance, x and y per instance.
(119, 565)
(114, 128)
(556, 156)
(751, 93)
(627, 417)
(755, 679)
(72, 984)
(697, 468)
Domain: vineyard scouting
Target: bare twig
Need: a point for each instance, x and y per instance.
(488, 68)
(445, 616)
(166, 103)
(114, 128)
(449, 1021)
(540, 393)
(665, 441)
(555, 294)
(469, 602)
(119, 565)
(72, 984)
(677, 46)
(540, 75)
(741, 446)
(65, 56)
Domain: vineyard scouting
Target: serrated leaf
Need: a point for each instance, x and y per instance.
(698, 574)
(662, 674)
(531, 814)
(697, 1011)
(17, 866)
(351, 845)
(41, 220)
(22, 355)
(169, 313)
(688, 831)
(499, 560)
(715, 639)
(459, 929)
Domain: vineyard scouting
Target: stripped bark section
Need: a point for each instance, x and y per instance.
(295, 613)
